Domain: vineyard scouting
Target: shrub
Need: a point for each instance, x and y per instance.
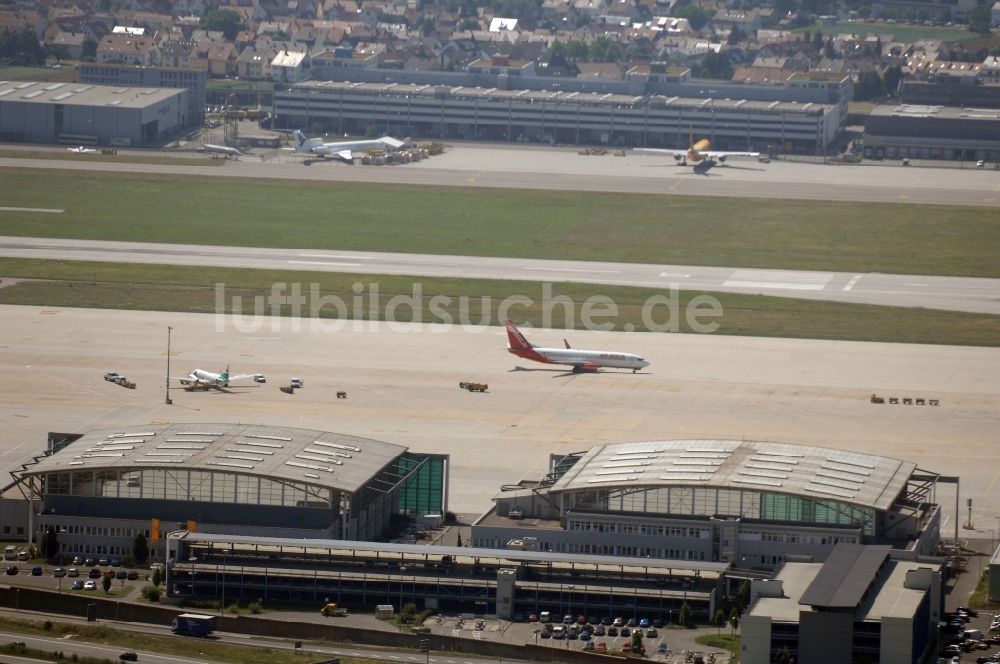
(152, 593)
(256, 608)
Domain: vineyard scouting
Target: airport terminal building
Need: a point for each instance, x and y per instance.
(556, 116)
(100, 489)
(753, 505)
(80, 114)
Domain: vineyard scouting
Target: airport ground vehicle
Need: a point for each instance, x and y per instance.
(193, 624)
(295, 382)
(333, 610)
(112, 376)
(128, 657)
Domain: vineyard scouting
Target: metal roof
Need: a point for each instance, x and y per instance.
(76, 94)
(515, 555)
(813, 472)
(845, 576)
(319, 458)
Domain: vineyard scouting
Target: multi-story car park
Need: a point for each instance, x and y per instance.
(752, 504)
(556, 116)
(913, 131)
(100, 489)
(505, 582)
(81, 114)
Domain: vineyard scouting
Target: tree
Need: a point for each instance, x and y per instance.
(869, 86)
(58, 51)
(140, 548)
(734, 622)
(735, 36)
(225, 20)
(157, 577)
(637, 642)
(50, 543)
(719, 619)
(685, 614)
(890, 80)
(89, 51)
(742, 599)
(106, 581)
(979, 20)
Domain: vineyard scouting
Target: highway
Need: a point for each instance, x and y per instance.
(948, 293)
(563, 169)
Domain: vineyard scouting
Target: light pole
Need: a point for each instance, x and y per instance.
(167, 381)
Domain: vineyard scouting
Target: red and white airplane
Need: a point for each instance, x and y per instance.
(580, 360)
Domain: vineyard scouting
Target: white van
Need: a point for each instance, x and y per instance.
(974, 634)
(9, 553)
(558, 632)
(296, 382)
(545, 617)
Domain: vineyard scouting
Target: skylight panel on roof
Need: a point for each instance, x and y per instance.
(310, 466)
(850, 469)
(245, 457)
(192, 446)
(791, 455)
(599, 480)
(54, 86)
(705, 455)
(769, 466)
(765, 473)
(771, 459)
(625, 464)
(313, 457)
(840, 476)
(76, 463)
(116, 102)
(22, 86)
(122, 441)
(255, 443)
(837, 484)
(82, 89)
(349, 448)
(4, 93)
(711, 470)
(313, 450)
(109, 448)
(101, 454)
(265, 437)
(626, 471)
(697, 462)
(163, 460)
(64, 95)
(32, 95)
(136, 434)
(198, 433)
(756, 480)
(230, 464)
(190, 440)
(169, 454)
(685, 478)
(311, 476)
(850, 461)
(249, 451)
(720, 450)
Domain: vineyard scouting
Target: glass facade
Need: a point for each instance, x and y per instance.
(186, 485)
(423, 491)
(710, 501)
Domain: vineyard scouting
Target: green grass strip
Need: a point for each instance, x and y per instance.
(176, 288)
(682, 230)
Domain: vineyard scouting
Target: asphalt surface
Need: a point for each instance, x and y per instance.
(950, 293)
(536, 167)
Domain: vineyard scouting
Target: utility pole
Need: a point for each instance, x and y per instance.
(167, 383)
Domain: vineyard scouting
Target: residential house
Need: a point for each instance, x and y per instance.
(216, 58)
(128, 49)
(254, 62)
(290, 66)
(71, 41)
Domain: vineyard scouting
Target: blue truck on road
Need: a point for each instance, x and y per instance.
(193, 624)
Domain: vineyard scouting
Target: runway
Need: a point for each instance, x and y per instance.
(535, 167)
(402, 386)
(949, 293)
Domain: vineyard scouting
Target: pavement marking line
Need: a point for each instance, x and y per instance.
(324, 263)
(778, 279)
(853, 281)
(351, 258)
(569, 269)
(678, 275)
(915, 284)
(23, 209)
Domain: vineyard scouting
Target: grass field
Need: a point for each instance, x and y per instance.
(179, 647)
(899, 31)
(855, 237)
(172, 288)
(131, 158)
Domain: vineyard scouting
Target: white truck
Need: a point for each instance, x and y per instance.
(113, 376)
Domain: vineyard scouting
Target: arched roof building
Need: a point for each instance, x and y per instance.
(108, 484)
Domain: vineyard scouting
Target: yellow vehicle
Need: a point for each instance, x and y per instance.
(332, 610)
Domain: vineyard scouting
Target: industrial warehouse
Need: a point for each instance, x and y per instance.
(752, 504)
(100, 489)
(73, 114)
(555, 116)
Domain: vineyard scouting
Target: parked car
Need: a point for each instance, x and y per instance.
(644, 623)
(121, 574)
(599, 630)
(103, 562)
(77, 560)
(59, 572)
(625, 631)
(95, 573)
(132, 575)
(612, 631)
(36, 570)
(90, 585)
(73, 572)
(90, 562)
(12, 570)
(116, 562)
(652, 633)
(600, 646)
(128, 657)
(77, 585)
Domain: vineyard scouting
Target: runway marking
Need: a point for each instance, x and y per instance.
(853, 281)
(779, 279)
(324, 263)
(568, 269)
(915, 284)
(904, 196)
(21, 209)
(674, 274)
(355, 258)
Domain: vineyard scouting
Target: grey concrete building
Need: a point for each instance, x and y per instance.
(865, 603)
(932, 132)
(102, 488)
(751, 504)
(556, 116)
(70, 113)
(190, 79)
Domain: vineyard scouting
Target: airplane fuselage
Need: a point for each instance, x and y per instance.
(208, 377)
(581, 358)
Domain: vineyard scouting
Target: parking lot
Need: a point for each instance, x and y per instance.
(666, 643)
(74, 578)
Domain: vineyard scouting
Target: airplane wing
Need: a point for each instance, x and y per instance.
(673, 153)
(241, 377)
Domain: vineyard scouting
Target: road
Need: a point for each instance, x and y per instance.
(949, 293)
(535, 167)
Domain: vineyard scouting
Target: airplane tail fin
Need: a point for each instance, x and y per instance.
(300, 138)
(225, 374)
(515, 339)
(567, 343)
